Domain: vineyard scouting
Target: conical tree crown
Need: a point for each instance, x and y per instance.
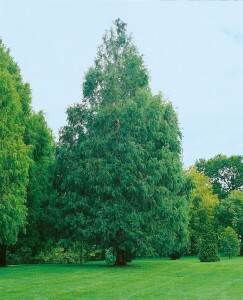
(118, 70)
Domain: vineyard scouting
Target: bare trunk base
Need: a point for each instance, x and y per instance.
(120, 258)
(3, 253)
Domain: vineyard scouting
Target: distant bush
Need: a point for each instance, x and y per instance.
(59, 255)
(110, 258)
(95, 253)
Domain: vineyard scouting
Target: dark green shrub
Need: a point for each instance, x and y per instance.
(208, 248)
(177, 254)
(21, 255)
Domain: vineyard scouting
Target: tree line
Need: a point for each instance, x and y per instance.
(114, 183)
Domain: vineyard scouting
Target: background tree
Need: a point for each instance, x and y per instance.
(39, 191)
(225, 173)
(230, 213)
(202, 208)
(229, 242)
(119, 173)
(26, 153)
(14, 154)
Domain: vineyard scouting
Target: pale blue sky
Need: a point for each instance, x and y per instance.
(194, 51)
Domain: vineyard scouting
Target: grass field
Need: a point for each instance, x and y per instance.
(144, 279)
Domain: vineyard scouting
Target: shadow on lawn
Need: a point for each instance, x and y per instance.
(88, 265)
(99, 264)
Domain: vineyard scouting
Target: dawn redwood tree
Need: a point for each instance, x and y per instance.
(119, 172)
(14, 154)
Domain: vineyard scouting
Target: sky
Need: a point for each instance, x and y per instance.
(193, 50)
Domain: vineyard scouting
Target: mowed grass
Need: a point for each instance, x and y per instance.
(186, 278)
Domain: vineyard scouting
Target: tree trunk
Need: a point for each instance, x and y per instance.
(120, 258)
(241, 251)
(3, 253)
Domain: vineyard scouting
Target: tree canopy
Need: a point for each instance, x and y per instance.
(225, 173)
(229, 213)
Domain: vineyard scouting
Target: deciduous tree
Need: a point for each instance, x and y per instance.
(202, 208)
(230, 213)
(225, 173)
(229, 242)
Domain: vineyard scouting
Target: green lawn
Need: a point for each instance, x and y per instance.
(144, 279)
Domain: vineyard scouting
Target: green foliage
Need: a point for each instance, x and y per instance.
(225, 173)
(229, 242)
(230, 213)
(118, 70)
(110, 257)
(26, 158)
(19, 255)
(59, 255)
(208, 248)
(40, 189)
(14, 153)
(93, 253)
(62, 253)
(203, 204)
(118, 172)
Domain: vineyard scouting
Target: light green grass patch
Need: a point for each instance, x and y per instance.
(143, 279)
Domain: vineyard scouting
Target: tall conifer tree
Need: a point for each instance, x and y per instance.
(119, 172)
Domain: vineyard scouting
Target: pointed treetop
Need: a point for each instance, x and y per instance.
(121, 30)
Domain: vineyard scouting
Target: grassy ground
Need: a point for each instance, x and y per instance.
(144, 279)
